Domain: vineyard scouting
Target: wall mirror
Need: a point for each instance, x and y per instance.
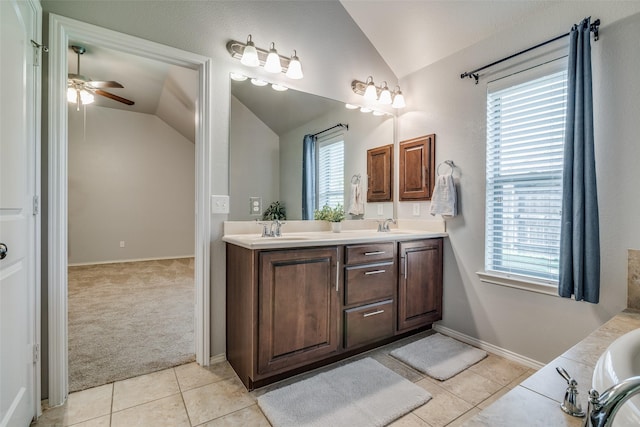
(266, 133)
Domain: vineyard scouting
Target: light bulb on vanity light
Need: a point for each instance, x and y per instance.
(273, 64)
(385, 95)
(250, 54)
(398, 98)
(371, 92)
(295, 68)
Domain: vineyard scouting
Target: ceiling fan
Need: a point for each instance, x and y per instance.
(80, 89)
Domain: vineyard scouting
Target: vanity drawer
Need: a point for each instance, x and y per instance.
(360, 254)
(371, 282)
(367, 324)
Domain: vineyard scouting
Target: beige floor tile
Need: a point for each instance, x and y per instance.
(168, 411)
(521, 378)
(193, 375)
(443, 407)
(464, 418)
(409, 420)
(103, 421)
(214, 400)
(251, 416)
(495, 396)
(80, 406)
(471, 387)
(498, 369)
(143, 389)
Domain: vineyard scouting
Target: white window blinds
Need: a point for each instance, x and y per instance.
(525, 133)
(331, 173)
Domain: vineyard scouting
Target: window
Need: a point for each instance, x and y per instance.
(331, 172)
(525, 134)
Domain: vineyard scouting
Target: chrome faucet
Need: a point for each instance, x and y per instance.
(603, 407)
(273, 229)
(383, 226)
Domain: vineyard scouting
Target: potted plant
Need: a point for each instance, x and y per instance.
(334, 215)
(276, 210)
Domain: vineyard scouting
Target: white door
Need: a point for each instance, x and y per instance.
(19, 20)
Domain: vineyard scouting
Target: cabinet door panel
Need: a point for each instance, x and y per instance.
(417, 168)
(420, 284)
(298, 307)
(380, 174)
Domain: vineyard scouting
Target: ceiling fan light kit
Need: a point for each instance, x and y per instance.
(81, 89)
(253, 56)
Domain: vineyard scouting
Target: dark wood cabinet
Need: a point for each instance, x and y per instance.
(419, 283)
(417, 168)
(290, 310)
(380, 174)
(298, 307)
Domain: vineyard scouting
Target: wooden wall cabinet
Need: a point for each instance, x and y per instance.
(290, 310)
(420, 283)
(380, 174)
(417, 168)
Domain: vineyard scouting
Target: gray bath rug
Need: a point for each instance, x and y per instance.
(362, 393)
(439, 356)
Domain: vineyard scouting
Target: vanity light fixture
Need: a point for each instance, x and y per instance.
(253, 56)
(278, 87)
(238, 77)
(382, 94)
(258, 82)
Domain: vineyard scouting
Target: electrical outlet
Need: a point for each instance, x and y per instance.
(122, 243)
(416, 209)
(380, 209)
(255, 205)
(219, 204)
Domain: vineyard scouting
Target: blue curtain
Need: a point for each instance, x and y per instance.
(579, 234)
(308, 176)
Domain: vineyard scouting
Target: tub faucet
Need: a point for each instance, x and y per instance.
(603, 407)
(383, 226)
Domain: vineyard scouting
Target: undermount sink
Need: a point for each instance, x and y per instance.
(621, 360)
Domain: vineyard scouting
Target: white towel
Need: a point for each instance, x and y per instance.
(356, 203)
(443, 199)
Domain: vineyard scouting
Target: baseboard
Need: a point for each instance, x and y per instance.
(80, 264)
(218, 358)
(507, 354)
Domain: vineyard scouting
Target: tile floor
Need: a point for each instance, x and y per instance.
(190, 395)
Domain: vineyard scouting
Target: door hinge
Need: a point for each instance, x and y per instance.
(36, 205)
(38, 46)
(36, 353)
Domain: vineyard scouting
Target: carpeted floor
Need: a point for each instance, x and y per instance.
(128, 319)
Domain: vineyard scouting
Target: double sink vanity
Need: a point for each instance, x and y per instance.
(311, 297)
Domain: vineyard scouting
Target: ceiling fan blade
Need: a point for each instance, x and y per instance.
(103, 84)
(114, 97)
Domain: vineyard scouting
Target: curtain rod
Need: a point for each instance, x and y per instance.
(339, 125)
(474, 74)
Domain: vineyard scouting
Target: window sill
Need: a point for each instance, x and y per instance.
(519, 282)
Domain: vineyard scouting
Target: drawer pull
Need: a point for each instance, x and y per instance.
(375, 272)
(374, 253)
(337, 276)
(373, 313)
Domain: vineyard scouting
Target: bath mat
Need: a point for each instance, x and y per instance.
(439, 356)
(362, 393)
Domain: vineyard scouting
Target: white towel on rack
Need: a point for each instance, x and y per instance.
(443, 199)
(356, 203)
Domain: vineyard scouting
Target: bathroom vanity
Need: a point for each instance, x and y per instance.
(303, 300)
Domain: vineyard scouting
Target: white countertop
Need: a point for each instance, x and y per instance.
(326, 238)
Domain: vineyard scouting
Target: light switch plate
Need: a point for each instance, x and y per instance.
(380, 209)
(219, 204)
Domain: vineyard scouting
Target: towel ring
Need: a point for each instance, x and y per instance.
(448, 163)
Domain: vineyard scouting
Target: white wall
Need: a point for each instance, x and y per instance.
(254, 162)
(131, 179)
(365, 131)
(531, 324)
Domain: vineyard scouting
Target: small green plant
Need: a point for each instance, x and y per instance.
(276, 210)
(327, 213)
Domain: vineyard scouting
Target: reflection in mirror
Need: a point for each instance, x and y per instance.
(266, 133)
